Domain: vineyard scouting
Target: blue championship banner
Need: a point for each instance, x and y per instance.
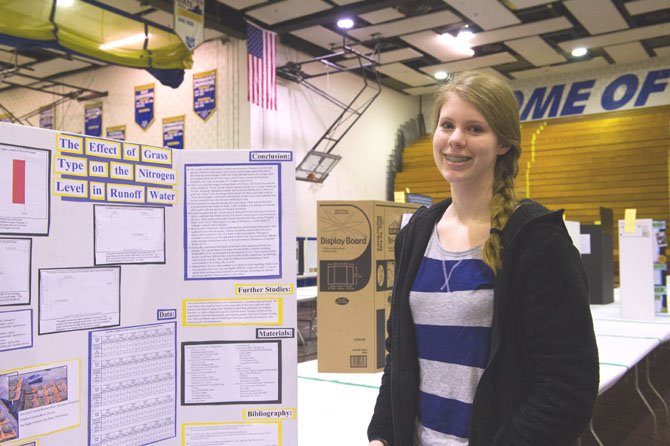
(173, 132)
(117, 132)
(47, 118)
(144, 105)
(93, 119)
(204, 93)
(189, 22)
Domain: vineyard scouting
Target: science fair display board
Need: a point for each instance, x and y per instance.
(146, 295)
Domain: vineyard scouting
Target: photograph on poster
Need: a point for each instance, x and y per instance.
(79, 298)
(128, 234)
(132, 372)
(246, 433)
(39, 400)
(15, 261)
(24, 176)
(16, 329)
(232, 221)
(231, 372)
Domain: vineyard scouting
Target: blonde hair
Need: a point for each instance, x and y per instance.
(495, 100)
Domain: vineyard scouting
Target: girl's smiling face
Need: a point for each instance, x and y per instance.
(465, 148)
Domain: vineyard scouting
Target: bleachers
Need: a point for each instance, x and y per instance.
(579, 164)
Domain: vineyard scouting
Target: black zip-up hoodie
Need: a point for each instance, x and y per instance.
(541, 380)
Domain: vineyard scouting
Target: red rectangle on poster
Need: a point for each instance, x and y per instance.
(19, 182)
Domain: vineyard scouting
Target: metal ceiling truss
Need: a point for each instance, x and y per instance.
(319, 161)
(46, 86)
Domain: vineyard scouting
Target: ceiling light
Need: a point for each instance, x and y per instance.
(465, 34)
(457, 44)
(345, 23)
(579, 52)
(137, 38)
(441, 75)
(65, 3)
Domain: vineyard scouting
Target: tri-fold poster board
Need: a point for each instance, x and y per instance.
(146, 295)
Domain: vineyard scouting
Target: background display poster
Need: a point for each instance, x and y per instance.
(189, 21)
(147, 295)
(204, 93)
(117, 132)
(144, 105)
(173, 132)
(47, 117)
(93, 119)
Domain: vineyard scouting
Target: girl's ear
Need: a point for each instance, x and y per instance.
(503, 149)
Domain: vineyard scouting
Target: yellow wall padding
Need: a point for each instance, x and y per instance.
(83, 27)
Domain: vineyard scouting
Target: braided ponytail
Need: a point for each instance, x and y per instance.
(495, 100)
(502, 205)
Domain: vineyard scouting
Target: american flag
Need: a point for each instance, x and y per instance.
(262, 86)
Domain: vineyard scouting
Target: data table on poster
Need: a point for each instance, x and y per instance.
(133, 385)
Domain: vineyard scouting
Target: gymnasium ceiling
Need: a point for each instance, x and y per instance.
(520, 39)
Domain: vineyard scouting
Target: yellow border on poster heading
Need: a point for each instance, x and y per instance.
(17, 441)
(174, 171)
(280, 312)
(110, 142)
(292, 417)
(104, 174)
(126, 200)
(54, 192)
(238, 285)
(216, 91)
(58, 156)
(167, 151)
(80, 140)
(162, 189)
(97, 197)
(130, 176)
(214, 423)
(131, 145)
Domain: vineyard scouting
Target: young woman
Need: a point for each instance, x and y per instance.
(490, 335)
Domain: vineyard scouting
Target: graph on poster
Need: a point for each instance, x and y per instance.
(24, 190)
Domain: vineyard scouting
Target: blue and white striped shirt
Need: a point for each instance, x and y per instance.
(452, 307)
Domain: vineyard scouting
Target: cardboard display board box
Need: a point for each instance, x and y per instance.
(355, 255)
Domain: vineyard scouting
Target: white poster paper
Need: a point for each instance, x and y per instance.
(15, 255)
(79, 298)
(24, 190)
(129, 234)
(585, 243)
(240, 433)
(16, 329)
(220, 372)
(233, 221)
(133, 385)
